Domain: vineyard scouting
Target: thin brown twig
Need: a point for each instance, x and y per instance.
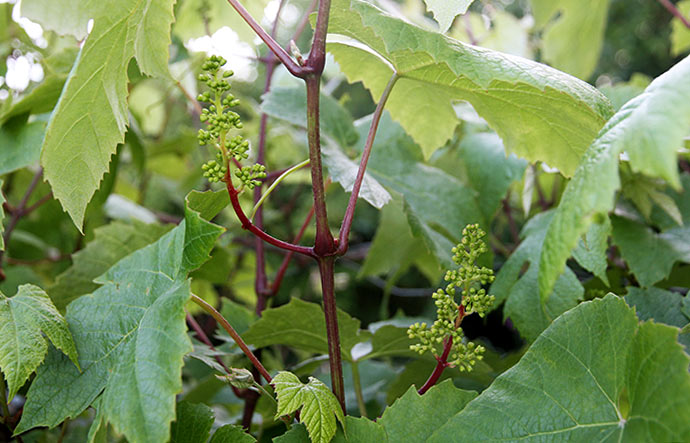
(201, 335)
(235, 336)
(670, 7)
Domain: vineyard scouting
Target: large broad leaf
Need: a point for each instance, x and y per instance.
(650, 128)
(131, 337)
(21, 145)
(445, 11)
(90, 118)
(650, 256)
(573, 33)
(540, 113)
(111, 243)
(302, 325)
(596, 374)
(438, 206)
(22, 346)
(516, 283)
(318, 406)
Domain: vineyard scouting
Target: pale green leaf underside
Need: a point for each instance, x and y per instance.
(445, 11)
(540, 113)
(131, 337)
(319, 407)
(24, 319)
(573, 33)
(90, 118)
(650, 128)
(596, 375)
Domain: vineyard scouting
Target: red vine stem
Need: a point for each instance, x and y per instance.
(670, 7)
(20, 211)
(442, 361)
(235, 336)
(280, 53)
(248, 225)
(286, 260)
(350, 212)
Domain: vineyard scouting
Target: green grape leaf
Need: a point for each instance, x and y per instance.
(662, 307)
(414, 417)
(231, 434)
(518, 285)
(573, 33)
(90, 118)
(302, 325)
(192, 424)
(22, 346)
(111, 243)
(318, 406)
(437, 204)
(208, 203)
(680, 34)
(131, 336)
(597, 375)
(445, 11)
(649, 255)
(539, 112)
(650, 128)
(591, 249)
(21, 145)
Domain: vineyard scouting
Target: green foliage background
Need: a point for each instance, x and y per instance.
(559, 126)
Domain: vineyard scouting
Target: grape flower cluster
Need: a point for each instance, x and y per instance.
(469, 278)
(220, 119)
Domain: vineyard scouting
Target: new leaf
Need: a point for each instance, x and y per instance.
(316, 400)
